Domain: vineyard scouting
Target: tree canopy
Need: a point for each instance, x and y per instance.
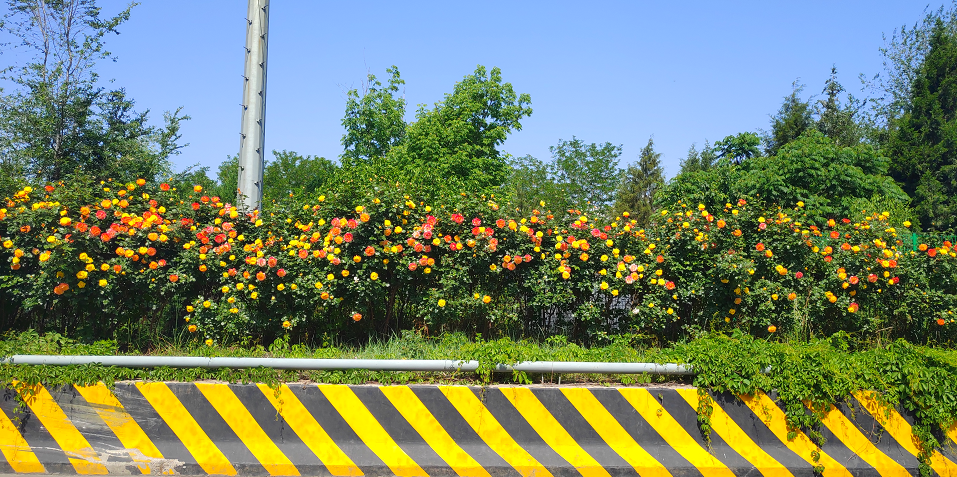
(457, 141)
(829, 179)
(58, 119)
(924, 141)
(639, 184)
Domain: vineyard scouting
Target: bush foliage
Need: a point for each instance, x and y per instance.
(132, 261)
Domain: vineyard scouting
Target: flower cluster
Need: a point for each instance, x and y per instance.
(311, 266)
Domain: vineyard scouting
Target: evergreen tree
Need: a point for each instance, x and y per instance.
(924, 142)
(837, 121)
(793, 118)
(636, 193)
(699, 161)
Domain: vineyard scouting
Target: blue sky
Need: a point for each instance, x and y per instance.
(603, 71)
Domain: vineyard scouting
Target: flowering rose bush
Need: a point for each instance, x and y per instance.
(123, 258)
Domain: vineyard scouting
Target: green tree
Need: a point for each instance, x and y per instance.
(738, 148)
(588, 174)
(827, 177)
(58, 120)
(834, 120)
(290, 173)
(904, 53)
(640, 183)
(924, 141)
(699, 161)
(529, 183)
(374, 122)
(455, 144)
(227, 179)
(832, 181)
(793, 118)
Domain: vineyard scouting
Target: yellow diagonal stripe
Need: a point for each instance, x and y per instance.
(77, 449)
(129, 433)
(737, 439)
(552, 432)
(952, 433)
(901, 431)
(365, 425)
(15, 448)
(242, 422)
(672, 432)
(614, 435)
(762, 406)
(179, 420)
(492, 433)
(848, 433)
(422, 420)
(310, 432)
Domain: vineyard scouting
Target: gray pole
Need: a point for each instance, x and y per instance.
(253, 134)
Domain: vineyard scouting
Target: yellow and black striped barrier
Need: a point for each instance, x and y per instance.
(209, 428)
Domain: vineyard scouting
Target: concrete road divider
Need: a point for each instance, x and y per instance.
(230, 429)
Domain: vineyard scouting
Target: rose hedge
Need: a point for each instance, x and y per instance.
(140, 260)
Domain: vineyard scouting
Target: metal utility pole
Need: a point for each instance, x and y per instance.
(251, 147)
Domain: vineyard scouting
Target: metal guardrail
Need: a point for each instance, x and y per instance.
(424, 365)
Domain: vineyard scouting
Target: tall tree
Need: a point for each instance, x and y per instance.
(58, 119)
(587, 173)
(904, 53)
(924, 141)
(793, 118)
(530, 182)
(837, 121)
(699, 161)
(374, 122)
(456, 143)
(639, 184)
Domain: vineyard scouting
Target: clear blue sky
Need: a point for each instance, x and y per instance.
(603, 71)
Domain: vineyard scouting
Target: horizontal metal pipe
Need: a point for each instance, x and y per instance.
(425, 365)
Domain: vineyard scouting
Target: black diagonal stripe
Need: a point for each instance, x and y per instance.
(401, 431)
(460, 431)
(339, 430)
(86, 420)
(875, 432)
(687, 418)
(156, 429)
(754, 427)
(277, 428)
(216, 428)
(644, 434)
(839, 451)
(568, 416)
(522, 431)
(41, 442)
(948, 446)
